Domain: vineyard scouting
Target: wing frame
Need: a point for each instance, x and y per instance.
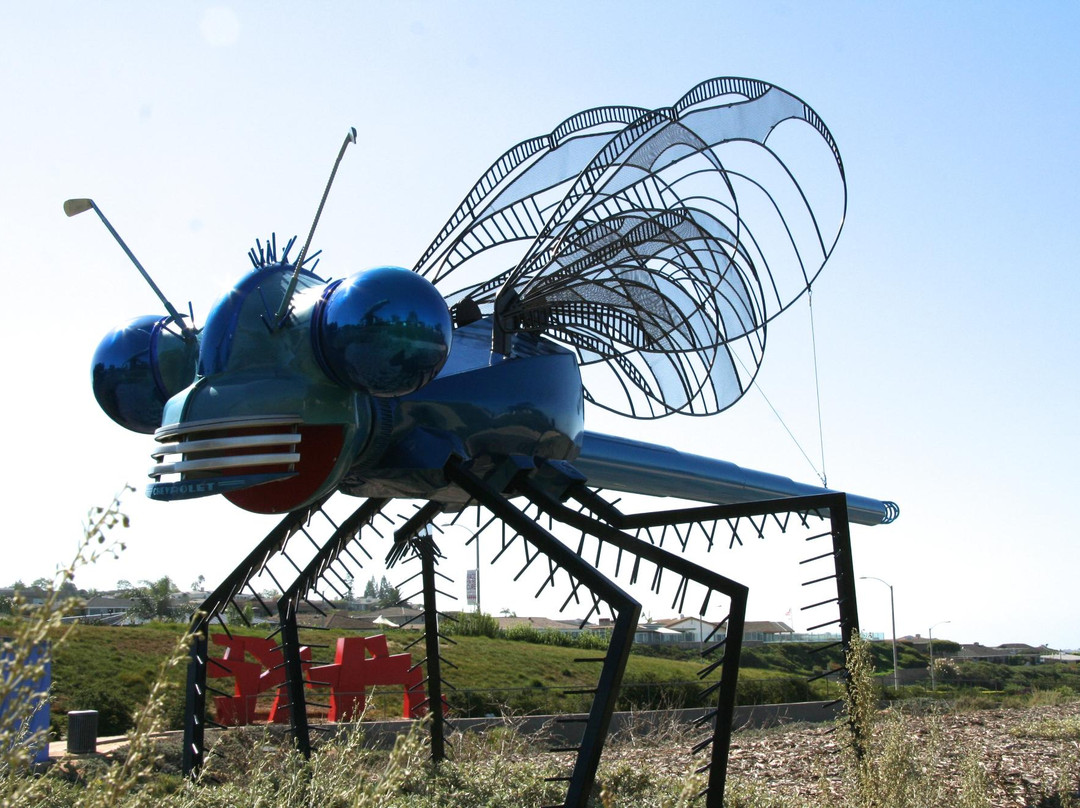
(648, 157)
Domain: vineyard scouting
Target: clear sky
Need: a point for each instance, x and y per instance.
(946, 326)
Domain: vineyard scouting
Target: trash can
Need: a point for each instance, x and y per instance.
(82, 732)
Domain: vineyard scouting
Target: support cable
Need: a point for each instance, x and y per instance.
(757, 386)
(817, 385)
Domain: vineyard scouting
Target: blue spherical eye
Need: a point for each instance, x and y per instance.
(140, 366)
(385, 331)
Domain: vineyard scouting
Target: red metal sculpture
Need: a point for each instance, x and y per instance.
(359, 663)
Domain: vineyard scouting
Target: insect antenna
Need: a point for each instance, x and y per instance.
(73, 207)
(283, 309)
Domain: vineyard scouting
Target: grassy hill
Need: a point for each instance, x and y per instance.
(111, 669)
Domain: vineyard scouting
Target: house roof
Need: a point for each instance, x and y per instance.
(539, 623)
(657, 629)
(336, 620)
(976, 651)
(766, 627)
(751, 626)
(678, 622)
(108, 602)
(340, 620)
(915, 639)
(28, 592)
(396, 614)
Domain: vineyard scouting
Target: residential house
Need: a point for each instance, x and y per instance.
(695, 630)
(765, 631)
(106, 608)
(1010, 653)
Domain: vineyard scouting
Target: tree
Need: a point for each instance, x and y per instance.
(245, 616)
(388, 595)
(370, 591)
(67, 588)
(153, 600)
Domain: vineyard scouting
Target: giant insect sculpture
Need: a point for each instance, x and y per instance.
(632, 260)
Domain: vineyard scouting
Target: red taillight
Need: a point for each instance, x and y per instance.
(236, 457)
(320, 450)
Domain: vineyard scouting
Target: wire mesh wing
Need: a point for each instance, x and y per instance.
(656, 244)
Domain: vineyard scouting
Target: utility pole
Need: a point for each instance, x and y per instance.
(892, 609)
(933, 680)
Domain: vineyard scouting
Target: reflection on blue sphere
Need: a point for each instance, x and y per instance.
(385, 331)
(137, 368)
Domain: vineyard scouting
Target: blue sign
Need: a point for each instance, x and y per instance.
(24, 712)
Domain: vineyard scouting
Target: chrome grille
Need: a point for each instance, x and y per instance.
(210, 448)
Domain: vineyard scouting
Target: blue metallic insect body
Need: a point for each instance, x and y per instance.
(631, 258)
(636, 254)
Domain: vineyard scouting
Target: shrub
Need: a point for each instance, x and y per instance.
(773, 690)
(647, 692)
(115, 710)
(562, 639)
(471, 624)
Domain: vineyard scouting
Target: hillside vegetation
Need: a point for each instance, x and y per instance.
(111, 669)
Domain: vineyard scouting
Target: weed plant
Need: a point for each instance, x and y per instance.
(36, 629)
(1049, 729)
(888, 763)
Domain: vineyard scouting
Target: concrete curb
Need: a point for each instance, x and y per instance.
(560, 729)
(563, 730)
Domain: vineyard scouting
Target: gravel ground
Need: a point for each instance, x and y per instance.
(1026, 757)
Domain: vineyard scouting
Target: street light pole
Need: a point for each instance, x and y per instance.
(933, 680)
(892, 609)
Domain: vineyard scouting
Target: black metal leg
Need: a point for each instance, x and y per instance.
(725, 704)
(431, 639)
(626, 609)
(723, 715)
(606, 524)
(295, 681)
(195, 707)
(295, 677)
(212, 607)
(409, 539)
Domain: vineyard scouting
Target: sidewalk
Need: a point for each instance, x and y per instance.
(385, 733)
(58, 749)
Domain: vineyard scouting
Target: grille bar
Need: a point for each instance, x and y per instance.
(222, 424)
(218, 444)
(221, 463)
